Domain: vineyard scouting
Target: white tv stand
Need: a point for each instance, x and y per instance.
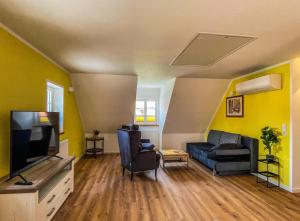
(53, 181)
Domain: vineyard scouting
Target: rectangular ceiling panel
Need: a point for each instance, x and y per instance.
(207, 49)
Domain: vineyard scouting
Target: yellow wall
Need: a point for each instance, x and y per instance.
(262, 109)
(23, 76)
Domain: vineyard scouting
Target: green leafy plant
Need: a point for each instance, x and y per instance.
(270, 138)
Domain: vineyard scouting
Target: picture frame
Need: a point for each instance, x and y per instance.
(235, 106)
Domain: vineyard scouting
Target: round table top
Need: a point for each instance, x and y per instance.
(94, 138)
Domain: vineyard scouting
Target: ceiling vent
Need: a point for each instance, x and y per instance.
(207, 49)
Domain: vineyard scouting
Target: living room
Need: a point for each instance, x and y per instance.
(121, 110)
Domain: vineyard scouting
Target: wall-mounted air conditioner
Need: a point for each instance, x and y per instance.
(262, 84)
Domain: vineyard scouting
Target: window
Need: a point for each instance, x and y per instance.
(146, 112)
(55, 102)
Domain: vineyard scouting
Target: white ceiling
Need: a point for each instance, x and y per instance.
(143, 37)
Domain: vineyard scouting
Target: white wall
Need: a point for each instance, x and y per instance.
(152, 133)
(105, 101)
(193, 103)
(179, 140)
(189, 105)
(148, 93)
(165, 97)
(110, 142)
(295, 126)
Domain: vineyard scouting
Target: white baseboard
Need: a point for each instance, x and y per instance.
(282, 186)
(112, 151)
(296, 190)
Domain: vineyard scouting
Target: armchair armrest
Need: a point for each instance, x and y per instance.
(225, 153)
(146, 155)
(145, 160)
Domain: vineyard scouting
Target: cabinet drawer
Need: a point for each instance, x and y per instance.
(55, 192)
(51, 203)
(51, 211)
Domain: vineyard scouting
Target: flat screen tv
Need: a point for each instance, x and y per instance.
(34, 138)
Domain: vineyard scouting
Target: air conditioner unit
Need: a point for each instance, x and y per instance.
(262, 84)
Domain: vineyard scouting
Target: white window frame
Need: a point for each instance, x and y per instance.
(145, 113)
(53, 104)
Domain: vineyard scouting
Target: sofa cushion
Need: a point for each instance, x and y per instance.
(230, 138)
(229, 153)
(214, 137)
(226, 146)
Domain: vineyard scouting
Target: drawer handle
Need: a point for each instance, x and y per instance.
(51, 212)
(68, 190)
(67, 180)
(51, 199)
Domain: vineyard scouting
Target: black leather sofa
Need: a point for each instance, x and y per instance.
(226, 153)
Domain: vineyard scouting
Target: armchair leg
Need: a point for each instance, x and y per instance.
(156, 174)
(123, 171)
(131, 176)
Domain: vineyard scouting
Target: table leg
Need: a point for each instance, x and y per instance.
(267, 175)
(278, 173)
(95, 151)
(86, 143)
(187, 162)
(103, 146)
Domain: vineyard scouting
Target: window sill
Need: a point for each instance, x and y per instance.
(147, 125)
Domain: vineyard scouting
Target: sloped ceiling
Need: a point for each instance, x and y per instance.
(105, 101)
(193, 104)
(143, 37)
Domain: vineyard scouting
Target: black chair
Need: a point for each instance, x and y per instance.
(145, 143)
(133, 158)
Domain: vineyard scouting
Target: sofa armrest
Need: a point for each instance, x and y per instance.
(225, 153)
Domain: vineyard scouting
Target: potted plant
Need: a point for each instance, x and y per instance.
(96, 133)
(270, 138)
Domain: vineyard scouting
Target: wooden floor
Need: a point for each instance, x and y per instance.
(102, 193)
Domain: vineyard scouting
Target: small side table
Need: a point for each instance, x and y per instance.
(267, 173)
(94, 150)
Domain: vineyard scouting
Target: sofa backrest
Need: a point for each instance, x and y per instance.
(214, 137)
(252, 145)
(230, 138)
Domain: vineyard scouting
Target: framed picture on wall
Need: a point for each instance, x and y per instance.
(235, 106)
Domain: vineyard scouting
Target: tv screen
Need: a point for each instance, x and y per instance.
(34, 137)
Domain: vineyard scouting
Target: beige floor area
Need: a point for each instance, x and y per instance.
(102, 193)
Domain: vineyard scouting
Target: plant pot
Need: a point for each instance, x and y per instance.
(96, 133)
(270, 157)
